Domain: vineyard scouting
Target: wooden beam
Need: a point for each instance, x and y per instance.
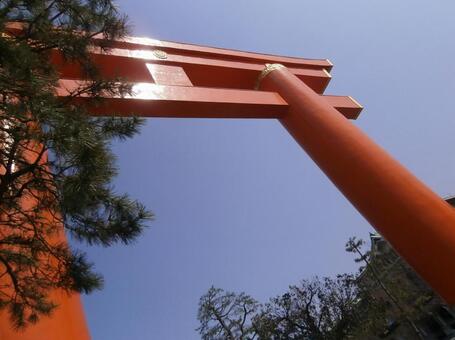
(152, 100)
(204, 72)
(139, 43)
(346, 105)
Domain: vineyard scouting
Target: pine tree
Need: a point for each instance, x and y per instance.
(56, 164)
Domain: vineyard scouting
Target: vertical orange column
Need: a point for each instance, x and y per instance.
(418, 223)
(67, 321)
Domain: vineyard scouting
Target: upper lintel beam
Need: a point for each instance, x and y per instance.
(138, 43)
(205, 72)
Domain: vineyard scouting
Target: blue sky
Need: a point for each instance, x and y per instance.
(238, 204)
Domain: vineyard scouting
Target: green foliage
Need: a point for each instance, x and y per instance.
(226, 315)
(390, 288)
(56, 166)
(314, 309)
(383, 295)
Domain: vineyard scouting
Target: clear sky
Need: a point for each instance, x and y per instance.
(238, 204)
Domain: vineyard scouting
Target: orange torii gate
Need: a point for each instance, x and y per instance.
(189, 81)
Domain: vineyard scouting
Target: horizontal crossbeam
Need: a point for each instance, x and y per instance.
(137, 43)
(151, 100)
(205, 72)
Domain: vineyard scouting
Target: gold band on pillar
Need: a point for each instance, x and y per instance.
(268, 68)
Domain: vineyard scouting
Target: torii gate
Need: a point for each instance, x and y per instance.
(189, 81)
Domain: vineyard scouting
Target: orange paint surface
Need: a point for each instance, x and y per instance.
(418, 223)
(217, 83)
(67, 322)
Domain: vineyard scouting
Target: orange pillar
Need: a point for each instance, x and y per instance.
(417, 222)
(67, 322)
